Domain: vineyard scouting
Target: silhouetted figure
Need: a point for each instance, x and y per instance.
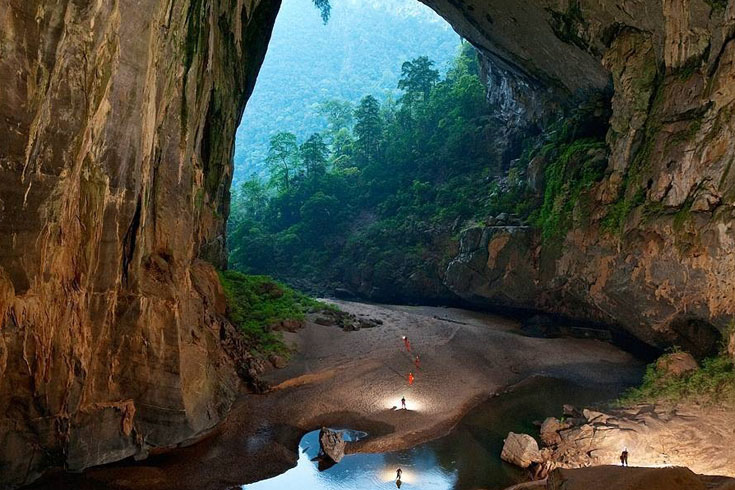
(407, 343)
(403, 406)
(417, 361)
(410, 378)
(399, 472)
(624, 457)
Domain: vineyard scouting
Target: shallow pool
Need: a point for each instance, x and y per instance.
(466, 459)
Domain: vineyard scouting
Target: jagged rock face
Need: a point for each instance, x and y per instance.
(666, 272)
(117, 122)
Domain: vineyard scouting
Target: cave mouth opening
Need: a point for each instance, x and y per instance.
(373, 141)
(328, 97)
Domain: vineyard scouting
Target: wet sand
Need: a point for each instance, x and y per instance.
(355, 379)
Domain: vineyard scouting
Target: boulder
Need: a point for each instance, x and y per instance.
(550, 431)
(520, 450)
(570, 411)
(325, 321)
(676, 364)
(332, 444)
(593, 416)
(279, 362)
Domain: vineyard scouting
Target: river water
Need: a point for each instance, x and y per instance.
(468, 458)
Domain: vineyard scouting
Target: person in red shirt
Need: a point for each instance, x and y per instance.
(407, 343)
(410, 378)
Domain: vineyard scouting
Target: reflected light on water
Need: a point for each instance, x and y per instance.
(389, 474)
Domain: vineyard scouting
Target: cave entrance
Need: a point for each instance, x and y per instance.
(317, 155)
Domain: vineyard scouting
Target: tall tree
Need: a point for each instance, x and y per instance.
(368, 129)
(314, 153)
(418, 77)
(283, 159)
(339, 114)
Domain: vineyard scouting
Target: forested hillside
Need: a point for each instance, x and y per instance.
(358, 51)
(368, 194)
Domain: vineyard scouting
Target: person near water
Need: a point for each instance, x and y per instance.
(417, 361)
(624, 457)
(403, 403)
(410, 378)
(399, 472)
(407, 343)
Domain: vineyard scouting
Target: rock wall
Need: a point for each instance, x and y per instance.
(117, 122)
(664, 271)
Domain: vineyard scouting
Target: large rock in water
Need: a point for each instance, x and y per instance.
(332, 444)
(520, 450)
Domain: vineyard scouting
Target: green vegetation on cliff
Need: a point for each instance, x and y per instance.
(713, 381)
(255, 304)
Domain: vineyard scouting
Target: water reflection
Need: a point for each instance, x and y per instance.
(468, 458)
(421, 469)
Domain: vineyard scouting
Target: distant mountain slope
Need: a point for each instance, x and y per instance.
(359, 51)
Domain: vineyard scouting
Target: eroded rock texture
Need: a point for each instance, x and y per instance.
(117, 121)
(665, 269)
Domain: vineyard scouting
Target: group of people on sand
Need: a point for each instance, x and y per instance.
(411, 378)
(416, 362)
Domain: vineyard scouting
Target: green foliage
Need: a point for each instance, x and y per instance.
(367, 193)
(255, 303)
(325, 9)
(283, 159)
(576, 158)
(714, 381)
(575, 170)
(418, 77)
(359, 51)
(717, 5)
(368, 131)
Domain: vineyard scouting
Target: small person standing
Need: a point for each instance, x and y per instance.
(417, 362)
(407, 343)
(624, 457)
(403, 403)
(410, 378)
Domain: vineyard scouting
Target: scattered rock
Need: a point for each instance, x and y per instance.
(520, 450)
(350, 327)
(676, 364)
(570, 411)
(326, 321)
(279, 362)
(550, 431)
(332, 444)
(288, 325)
(593, 416)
